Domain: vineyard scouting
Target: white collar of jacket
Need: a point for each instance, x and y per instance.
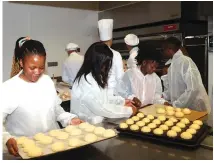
(133, 50)
(168, 62)
(177, 55)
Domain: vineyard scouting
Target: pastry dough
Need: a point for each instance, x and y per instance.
(70, 128)
(140, 115)
(162, 118)
(58, 146)
(129, 121)
(83, 125)
(158, 131)
(178, 109)
(176, 129)
(191, 131)
(156, 121)
(170, 112)
(63, 135)
(198, 122)
(28, 148)
(28, 142)
(75, 132)
(140, 123)
(90, 138)
(171, 133)
(173, 119)
(160, 111)
(99, 131)
(46, 140)
(35, 152)
(146, 120)
(179, 114)
(90, 128)
(74, 142)
(135, 118)
(164, 127)
(54, 132)
(181, 125)
(150, 117)
(21, 140)
(186, 135)
(39, 136)
(186, 111)
(185, 121)
(134, 127)
(109, 133)
(169, 108)
(124, 125)
(195, 126)
(145, 129)
(152, 125)
(169, 123)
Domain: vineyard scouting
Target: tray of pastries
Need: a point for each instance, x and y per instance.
(59, 140)
(175, 131)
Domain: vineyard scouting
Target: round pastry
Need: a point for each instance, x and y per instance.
(146, 120)
(179, 114)
(46, 140)
(28, 142)
(198, 122)
(186, 135)
(99, 131)
(169, 123)
(54, 133)
(173, 119)
(140, 123)
(194, 126)
(129, 121)
(170, 112)
(140, 115)
(185, 121)
(21, 140)
(70, 128)
(90, 128)
(186, 111)
(156, 121)
(158, 131)
(152, 125)
(160, 111)
(109, 133)
(124, 125)
(181, 125)
(58, 146)
(162, 118)
(177, 109)
(134, 127)
(63, 136)
(135, 118)
(35, 152)
(90, 138)
(28, 147)
(74, 142)
(171, 133)
(150, 117)
(75, 132)
(191, 131)
(39, 136)
(83, 125)
(176, 129)
(146, 129)
(164, 127)
(169, 108)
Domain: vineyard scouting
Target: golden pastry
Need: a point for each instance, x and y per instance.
(181, 125)
(140, 115)
(158, 131)
(146, 120)
(156, 121)
(151, 117)
(160, 111)
(177, 109)
(164, 127)
(185, 121)
(198, 122)
(152, 125)
(146, 129)
(123, 125)
(162, 118)
(173, 119)
(169, 123)
(191, 131)
(169, 108)
(170, 112)
(171, 133)
(176, 129)
(195, 126)
(186, 111)
(186, 135)
(129, 121)
(135, 118)
(179, 114)
(134, 127)
(140, 123)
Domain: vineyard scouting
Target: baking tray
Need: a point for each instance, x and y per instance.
(47, 148)
(193, 143)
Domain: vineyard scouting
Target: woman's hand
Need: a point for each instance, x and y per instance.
(168, 104)
(134, 109)
(76, 121)
(12, 147)
(136, 102)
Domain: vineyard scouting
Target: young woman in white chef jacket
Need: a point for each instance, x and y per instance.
(30, 103)
(90, 98)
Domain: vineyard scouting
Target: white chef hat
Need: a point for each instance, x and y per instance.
(131, 40)
(71, 46)
(105, 29)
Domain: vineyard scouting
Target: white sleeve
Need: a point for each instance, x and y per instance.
(166, 94)
(158, 92)
(94, 103)
(119, 67)
(65, 76)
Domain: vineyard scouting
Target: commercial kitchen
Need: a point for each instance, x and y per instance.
(58, 23)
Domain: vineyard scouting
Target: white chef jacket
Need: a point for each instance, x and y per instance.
(29, 108)
(132, 62)
(71, 67)
(147, 88)
(93, 103)
(116, 71)
(185, 87)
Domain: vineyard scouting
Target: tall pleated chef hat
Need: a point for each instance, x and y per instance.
(71, 46)
(131, 40)
(105, 27)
